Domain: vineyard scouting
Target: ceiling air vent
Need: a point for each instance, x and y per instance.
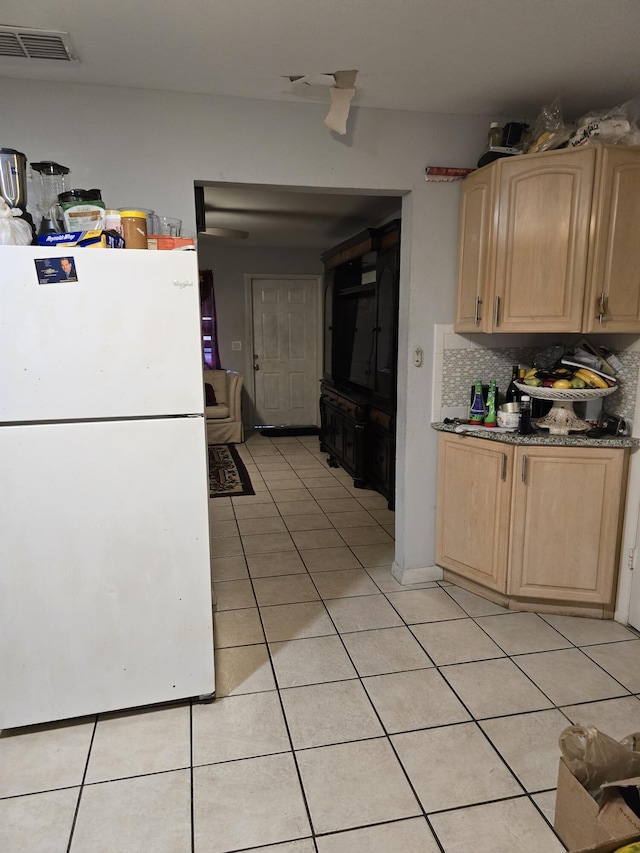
(24, 43)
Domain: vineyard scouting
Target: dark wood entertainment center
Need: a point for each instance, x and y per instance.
(358, 389)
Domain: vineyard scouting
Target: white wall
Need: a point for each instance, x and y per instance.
(146, 148)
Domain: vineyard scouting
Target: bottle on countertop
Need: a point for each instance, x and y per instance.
(477, 410)
(513, 392)
(524, 427)
(494, 137)
(490, 416)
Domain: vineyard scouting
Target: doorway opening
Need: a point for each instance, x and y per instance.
(274, 233)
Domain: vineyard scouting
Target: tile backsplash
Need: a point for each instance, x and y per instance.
(458, 362)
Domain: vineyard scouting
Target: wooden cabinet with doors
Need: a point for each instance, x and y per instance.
(547, 243)
(474, 509)
(342, 433)
(474, 242)
(358, 391)
(566, 528)
(381, 447)
(327, 330)
(613, 302)
(533, 527)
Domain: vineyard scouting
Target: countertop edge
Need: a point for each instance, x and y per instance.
(538, 438)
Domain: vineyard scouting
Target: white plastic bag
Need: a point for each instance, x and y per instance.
(594, 758)
(617, 126)
(13, 230)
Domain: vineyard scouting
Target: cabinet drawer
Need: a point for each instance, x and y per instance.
(348, 407)
(381, 419)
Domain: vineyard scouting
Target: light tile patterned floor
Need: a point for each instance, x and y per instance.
(353, 714)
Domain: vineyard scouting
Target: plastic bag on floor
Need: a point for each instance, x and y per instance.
(595, 758)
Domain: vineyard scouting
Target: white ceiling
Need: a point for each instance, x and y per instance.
(469, 57)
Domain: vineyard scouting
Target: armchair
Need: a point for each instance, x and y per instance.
(224, 417)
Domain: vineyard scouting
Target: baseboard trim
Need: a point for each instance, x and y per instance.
(418, 575)
(286, 431)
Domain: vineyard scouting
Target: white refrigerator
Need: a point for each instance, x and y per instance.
(105, 590)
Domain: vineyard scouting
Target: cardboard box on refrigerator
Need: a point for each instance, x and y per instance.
(161, 241)
(584, 824)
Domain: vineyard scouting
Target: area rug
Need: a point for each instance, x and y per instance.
(227, 475)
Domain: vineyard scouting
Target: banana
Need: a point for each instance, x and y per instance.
(591, 379)
(629, 848)
(531, 373)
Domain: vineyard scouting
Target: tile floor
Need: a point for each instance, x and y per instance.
(353, 714)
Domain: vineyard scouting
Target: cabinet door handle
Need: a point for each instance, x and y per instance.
(524, 469)
(496, 310)
(602, 305)
(476, 312)
(503, 467)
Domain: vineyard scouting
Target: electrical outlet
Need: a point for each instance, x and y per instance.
(236, 345)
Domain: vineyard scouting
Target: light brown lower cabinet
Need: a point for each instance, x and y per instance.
(531, 527)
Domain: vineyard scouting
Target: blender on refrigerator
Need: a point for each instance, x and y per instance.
(13, 181)
(52, 180)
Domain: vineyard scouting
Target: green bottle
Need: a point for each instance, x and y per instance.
(490, 417)
(476, 412)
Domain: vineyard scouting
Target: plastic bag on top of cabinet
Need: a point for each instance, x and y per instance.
(549, 130)
(616, 126)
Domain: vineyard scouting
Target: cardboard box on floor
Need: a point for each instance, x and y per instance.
(584, 825)
(610, 846)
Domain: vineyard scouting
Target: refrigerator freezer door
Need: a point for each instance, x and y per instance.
(105, 590)
(123, 340)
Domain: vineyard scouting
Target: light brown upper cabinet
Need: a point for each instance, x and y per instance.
(548, 243)
(613, 296)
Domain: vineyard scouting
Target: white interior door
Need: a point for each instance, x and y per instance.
(285, 350)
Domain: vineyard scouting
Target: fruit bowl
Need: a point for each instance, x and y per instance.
(562, 420)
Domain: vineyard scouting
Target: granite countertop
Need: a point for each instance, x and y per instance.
(540, 437)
